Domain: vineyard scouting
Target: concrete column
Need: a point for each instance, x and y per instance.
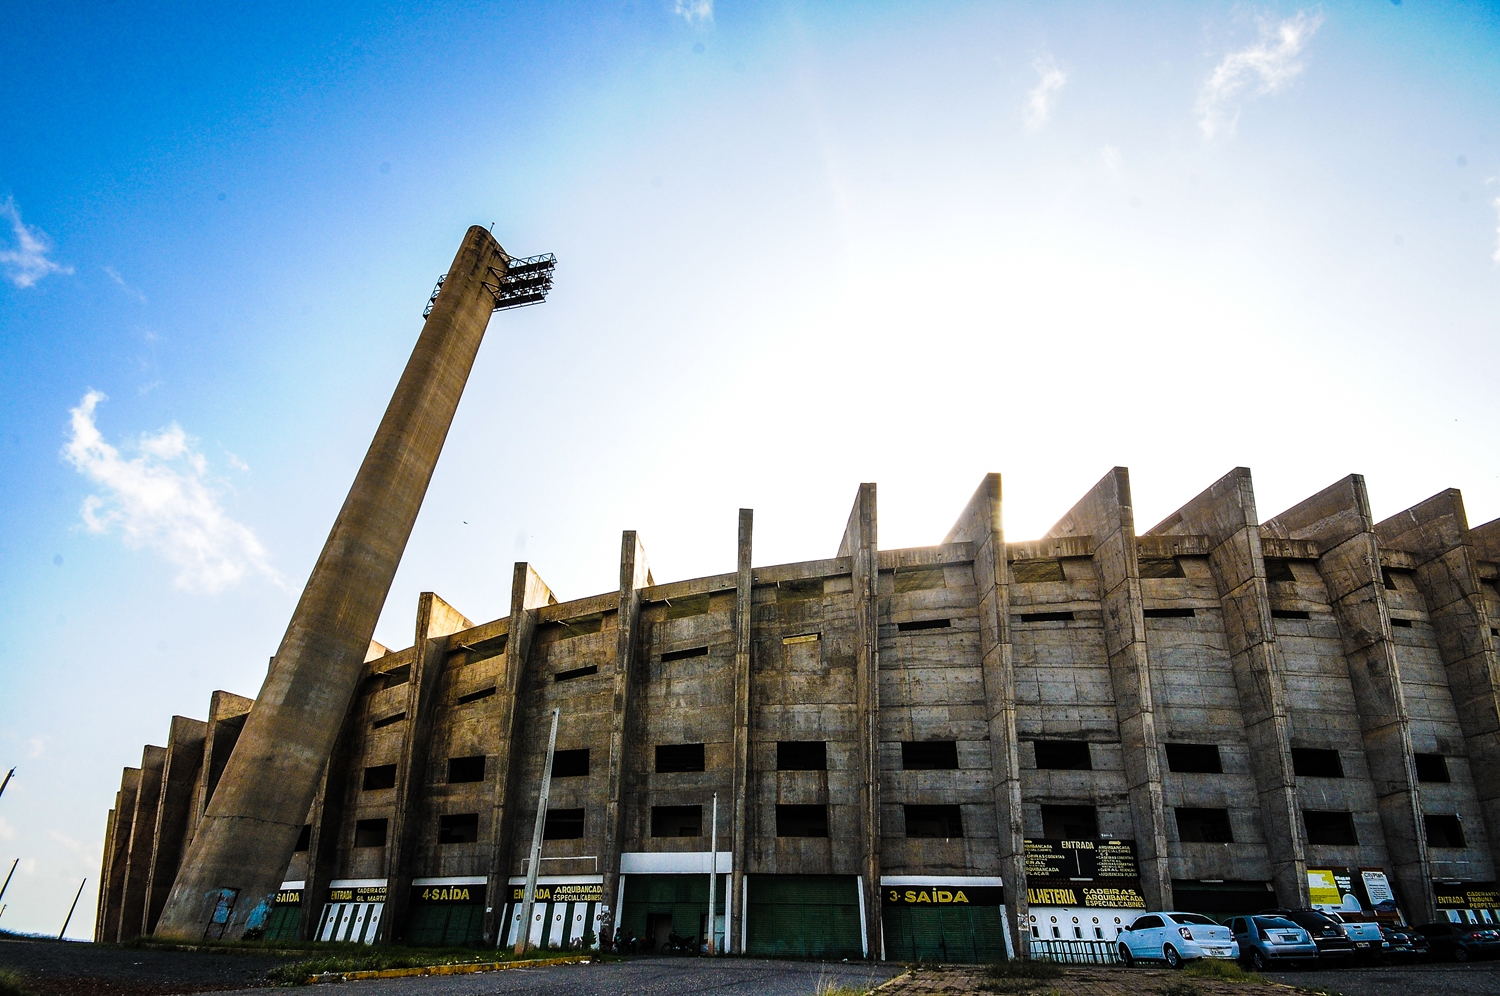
(859, 544)
(226, 718)
(101, 898)
(744, 581)
(1436, 535)
(528, 593)
(252, 824)
(119, 850)
(980, 524)
(1338, 520)
(142, 834)
(436, 621)
(1225, 514)
(1106, 514)
(634, 575)
(178, 781)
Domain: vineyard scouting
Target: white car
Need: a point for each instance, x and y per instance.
(1176, 938)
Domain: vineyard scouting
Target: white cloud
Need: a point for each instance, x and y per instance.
(1265, 67)
(115, 276)
(162, 500)
(1111, 158)
(7, 832)
(694, 10)
(36, 747)
(27, 262)
(1041, 98)
(1496, 203)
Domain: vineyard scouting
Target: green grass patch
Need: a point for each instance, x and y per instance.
(1217, 968)
(11, 983)
(360, 958)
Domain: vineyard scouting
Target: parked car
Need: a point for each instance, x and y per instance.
(1403, 944)
(1175, 938)
(1334, 946)
(1460, 941)
(1365, 934)
(1268, 941)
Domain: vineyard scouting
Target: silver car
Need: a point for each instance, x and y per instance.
(1176, 938)
(1266, 941)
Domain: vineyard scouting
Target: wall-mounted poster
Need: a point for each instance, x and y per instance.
(1323, 889)
(1378, 890)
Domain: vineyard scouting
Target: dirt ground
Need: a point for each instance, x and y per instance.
(75, 968)
(1076, 981)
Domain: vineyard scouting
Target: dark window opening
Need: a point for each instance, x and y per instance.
(679, 757)
(563, 824)
(1204, 826)
(381, 776)
(1329, 828)
(571, 763)
(304, 839)
(917, 624)
(461, 828)
(1070, 822)
(802, 821)
(1161, 567)
(1444, 831)
(1169, 613)
(571, 628)
(682, 608)
(929, 755)
(466, 769)
(1032, 571)
(677, 821)
(1432, 768)
(388, 720)
(934, 821)
(787, 591)
(1194, 758)
(1388, 578)
(395, 676)
(1290, 614)
(1027, 617)
(1279, 569)
(801, 755)
(369, 833)
(1311, 762)
(1401, 623)
(1063, 755)
(682, 655)
(577, 672)
(483, 693)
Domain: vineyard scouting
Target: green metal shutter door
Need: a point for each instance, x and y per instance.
(961, 934)
(804, 915)
(426, 923)
(283, 923)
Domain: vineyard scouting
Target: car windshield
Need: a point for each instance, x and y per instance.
(1194, 918)
(1276, 922)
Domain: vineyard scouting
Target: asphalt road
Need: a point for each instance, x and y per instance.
(1474, 979)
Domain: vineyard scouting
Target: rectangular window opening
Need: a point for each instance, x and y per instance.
(1200, 759)
(388, 720)
(1169, 613)
(671, 758)
(369, 833)
(929, 755)
(571, 763)
(1279, 569)
(682, 655)
(577, 672)
(801, 821)
(683, 608)
(677, 821)
(801, 755)
(1432, 768)
(483, 693)
(945, 822)
(1063, 755)
(1334, 829)
(460, 828)
(1204, 826)
(395, 676)
(1070, 822)
(1034, 571)
(466, 769)
(380, 776)
(918, 624)
(1161, 567)
(1290, 614)
(1312, 762)
(563, 824)
(1389, 578)
(304, 839)
(1401, 623)
(788, 591)
(1030, 617)
(1444, 831)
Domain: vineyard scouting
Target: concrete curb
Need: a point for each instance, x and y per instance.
(468, 969)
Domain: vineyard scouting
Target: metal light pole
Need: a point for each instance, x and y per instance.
(60, 933)
(7, 878)
(7, 780)
(713, 876)
(528, 898)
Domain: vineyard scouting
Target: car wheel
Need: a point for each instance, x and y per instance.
(1460, 953)
(1257, 961)
(1174, 960)
(1126, 958)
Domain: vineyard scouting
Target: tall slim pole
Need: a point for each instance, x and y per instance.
(528, 898)
(7, 780)
(60, 933)
(713, 875)
(7, 877)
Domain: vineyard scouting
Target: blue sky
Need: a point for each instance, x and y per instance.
(800, 247)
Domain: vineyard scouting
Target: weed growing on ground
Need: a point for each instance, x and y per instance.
(1021, 975)
(296, 973)
(1180, 989)
(10, 983)
(1215, 968)
(828, 987)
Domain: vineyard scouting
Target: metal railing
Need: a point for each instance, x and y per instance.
(1075, 952)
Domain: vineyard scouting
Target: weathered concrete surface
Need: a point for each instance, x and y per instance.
(251, 826)
(174, 811)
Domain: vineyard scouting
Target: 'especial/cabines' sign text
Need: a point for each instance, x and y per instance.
(942, 895)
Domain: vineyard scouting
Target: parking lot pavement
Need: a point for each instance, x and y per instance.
(643, 976)
(1474, 979)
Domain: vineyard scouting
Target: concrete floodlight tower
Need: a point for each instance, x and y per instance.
(235, 862)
